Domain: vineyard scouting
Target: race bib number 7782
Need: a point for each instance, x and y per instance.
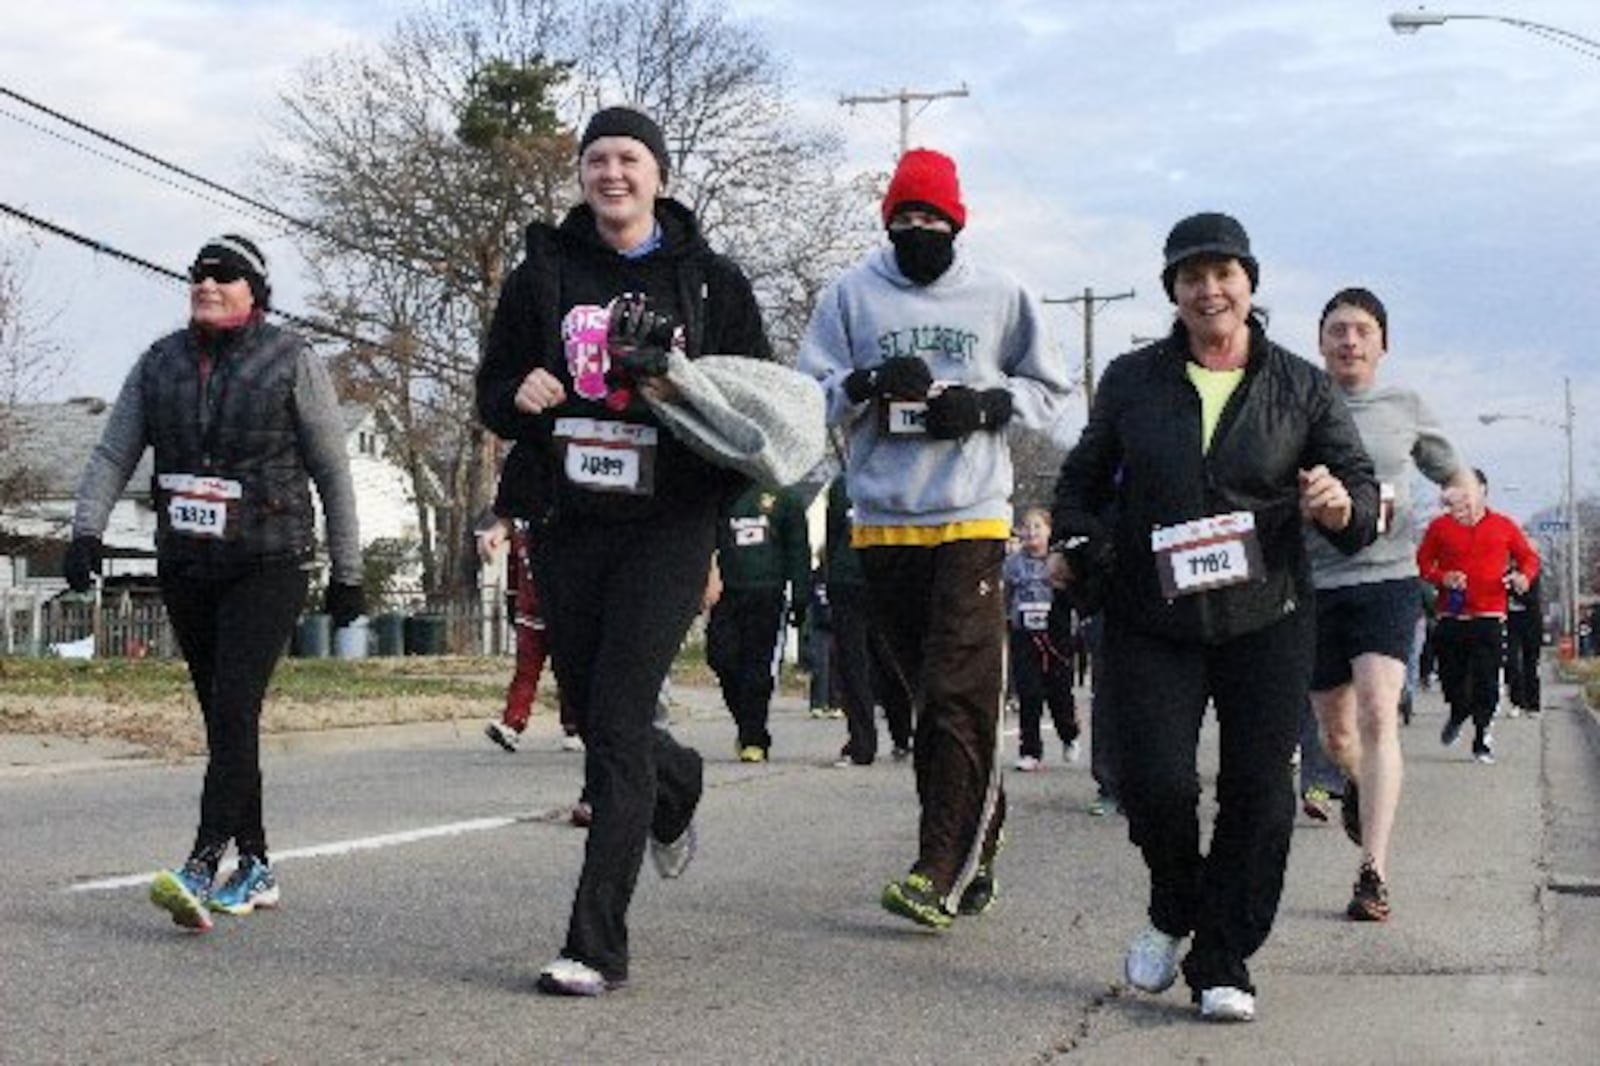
(1206, 553)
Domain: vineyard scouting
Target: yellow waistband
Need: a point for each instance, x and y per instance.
(928, 536)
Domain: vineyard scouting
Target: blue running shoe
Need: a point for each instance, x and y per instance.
(183, 893)
(252, 885)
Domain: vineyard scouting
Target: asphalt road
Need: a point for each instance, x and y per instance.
(426, 877)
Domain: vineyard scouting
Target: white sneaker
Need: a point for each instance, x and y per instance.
(569, 977)
(1074, 751)
(571, 742)
(1028, 764)
(674, 858)
(1227, 1005)
(1152, 962)
(502, 735)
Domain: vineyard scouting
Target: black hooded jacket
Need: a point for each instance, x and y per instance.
(569, 267)
(1140, 459)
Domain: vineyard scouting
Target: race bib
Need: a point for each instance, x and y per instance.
(749, 532)
(607, 456)
(200, 506)
(903, 418)
(907, 418)
(1206, 553)
(1035, 616)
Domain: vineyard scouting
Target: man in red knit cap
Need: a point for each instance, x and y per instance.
(927, 360)
(1466, 553)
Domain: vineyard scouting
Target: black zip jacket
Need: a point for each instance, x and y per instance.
(1140, 459)
(569, 266)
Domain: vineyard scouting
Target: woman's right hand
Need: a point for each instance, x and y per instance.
(539, 392)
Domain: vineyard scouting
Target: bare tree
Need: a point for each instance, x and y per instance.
(418, 167)
(419, 162)
(30, 363)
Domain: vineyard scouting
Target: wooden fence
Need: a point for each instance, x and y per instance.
(122, 624)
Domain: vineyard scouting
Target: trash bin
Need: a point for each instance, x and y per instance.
(311, 636)
(425, 634)
(350, 642)
(389, 634)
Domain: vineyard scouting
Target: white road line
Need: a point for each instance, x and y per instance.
(337, 847)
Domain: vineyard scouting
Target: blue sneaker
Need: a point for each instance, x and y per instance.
(252, 885)
(183, 893)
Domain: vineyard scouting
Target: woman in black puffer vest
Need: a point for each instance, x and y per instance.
(242, 418)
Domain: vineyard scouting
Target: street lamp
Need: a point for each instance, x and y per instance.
(1574, 532)
(1408, 22)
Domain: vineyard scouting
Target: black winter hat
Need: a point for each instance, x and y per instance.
(627, 122)
(241, 254)
(1208, 233)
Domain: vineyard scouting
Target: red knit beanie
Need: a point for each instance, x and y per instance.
(926, 178)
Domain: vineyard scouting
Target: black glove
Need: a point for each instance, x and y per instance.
(82, 563)
(1090, 559)
(904, 377)
(958, 411)
(797, 614)
(345, 603)
(639, 337)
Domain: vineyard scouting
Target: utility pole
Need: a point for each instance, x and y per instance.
(903, 98)
(1091, 304)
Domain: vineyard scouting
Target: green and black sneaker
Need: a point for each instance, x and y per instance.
(917, 899)
(980, 894)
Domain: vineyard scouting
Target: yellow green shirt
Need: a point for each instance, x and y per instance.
(1214, 387)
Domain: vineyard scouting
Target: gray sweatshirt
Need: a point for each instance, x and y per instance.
(974, 327)
(1400, 434)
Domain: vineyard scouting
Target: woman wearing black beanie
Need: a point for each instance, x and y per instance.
(623, 515)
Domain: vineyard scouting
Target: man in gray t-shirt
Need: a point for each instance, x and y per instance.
(1367, 602)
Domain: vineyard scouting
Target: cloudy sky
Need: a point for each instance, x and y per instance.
(1454, 171)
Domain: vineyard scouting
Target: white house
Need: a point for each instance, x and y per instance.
(48, 445)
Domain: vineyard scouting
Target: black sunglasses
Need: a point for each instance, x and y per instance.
(220, 273)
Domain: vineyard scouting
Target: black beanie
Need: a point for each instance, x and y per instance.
(1210, 233)
(241, 254)
(627, 122)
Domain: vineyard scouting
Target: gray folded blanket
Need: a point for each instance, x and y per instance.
(755, 416)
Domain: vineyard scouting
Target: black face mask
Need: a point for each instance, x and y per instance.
(923, 254)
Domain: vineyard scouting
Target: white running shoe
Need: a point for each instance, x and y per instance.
(569, 977)
(571, 742)
(1028, 764)
(674, 858)
(1152, 962)
(502, 735)
(1074, 751)
(1224, 1004)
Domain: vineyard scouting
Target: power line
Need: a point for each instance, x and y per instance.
(1091, 304)
(904, 98)
(311, 325)
(113, 160)
(158, 161)
(299, 223)
(258, 205)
